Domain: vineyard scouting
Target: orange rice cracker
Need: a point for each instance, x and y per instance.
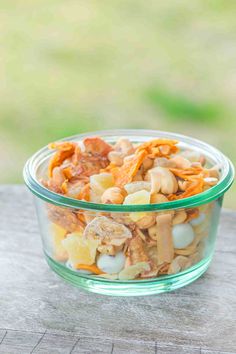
(194, 187)
(64, 151)
(152, 147)
(186, 173)
(124, 174)
(85, 192)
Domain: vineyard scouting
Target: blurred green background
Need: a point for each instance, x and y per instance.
(73, 66)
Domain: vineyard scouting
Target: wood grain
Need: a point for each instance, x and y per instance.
(40, 313)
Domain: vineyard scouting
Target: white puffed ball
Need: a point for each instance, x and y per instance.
(183, 235)
(197, 221)
(111, 264)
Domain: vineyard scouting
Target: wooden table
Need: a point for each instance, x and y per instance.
(40, 313)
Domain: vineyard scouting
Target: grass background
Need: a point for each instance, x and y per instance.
(73, 66)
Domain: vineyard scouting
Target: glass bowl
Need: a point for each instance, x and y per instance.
(59, 216)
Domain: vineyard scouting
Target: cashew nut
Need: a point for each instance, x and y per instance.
(146, 222)
(138, 177)
(163, 180)
(124, 146)
(158, 198)
(182, 184)
(147, 163)
(152, 232)
(122, 149)
(194, 156)
(178, 264)
(180, 162)
(164, 149)
(179, 217)
(210, 181)
(163, 162)
(115, 157)
(214, 171)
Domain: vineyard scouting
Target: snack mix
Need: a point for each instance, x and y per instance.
(128, 245)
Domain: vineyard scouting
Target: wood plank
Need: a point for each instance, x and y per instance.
(131, 347)
(64, 343)
(92, 346)
(172, 349)
(201, 315)
(3, 334)
(19, 342)
(56, 344)
(206, 351)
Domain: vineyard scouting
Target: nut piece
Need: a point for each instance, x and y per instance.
(163, 162)
(181, 162)
(210, 181)
(182, 184)
(178, 264)
(152, 232)
(131, 272)
(164, 149)
(147, 221)
(64, 217)
(163, 180)
(124, 146)
(192, 155)
(107, 230)
(115, 157)
(179, 217)
(147, 163)
(214, 171)
(122, 149)
(158, 198)
(112, 195)
(138, 177)
(165, 248)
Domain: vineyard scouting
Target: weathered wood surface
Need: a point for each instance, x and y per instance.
(40, 313)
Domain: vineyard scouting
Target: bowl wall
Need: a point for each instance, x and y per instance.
(190, 258)
(170, 244)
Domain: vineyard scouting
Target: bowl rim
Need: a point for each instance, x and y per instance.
(57, 199)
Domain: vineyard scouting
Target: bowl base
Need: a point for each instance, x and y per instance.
(130, 288)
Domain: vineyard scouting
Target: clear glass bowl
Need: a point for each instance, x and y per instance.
(58, 215)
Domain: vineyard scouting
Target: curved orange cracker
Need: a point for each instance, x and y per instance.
(124, 174)
(194, 188)
(64, 151)
(158, 147)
